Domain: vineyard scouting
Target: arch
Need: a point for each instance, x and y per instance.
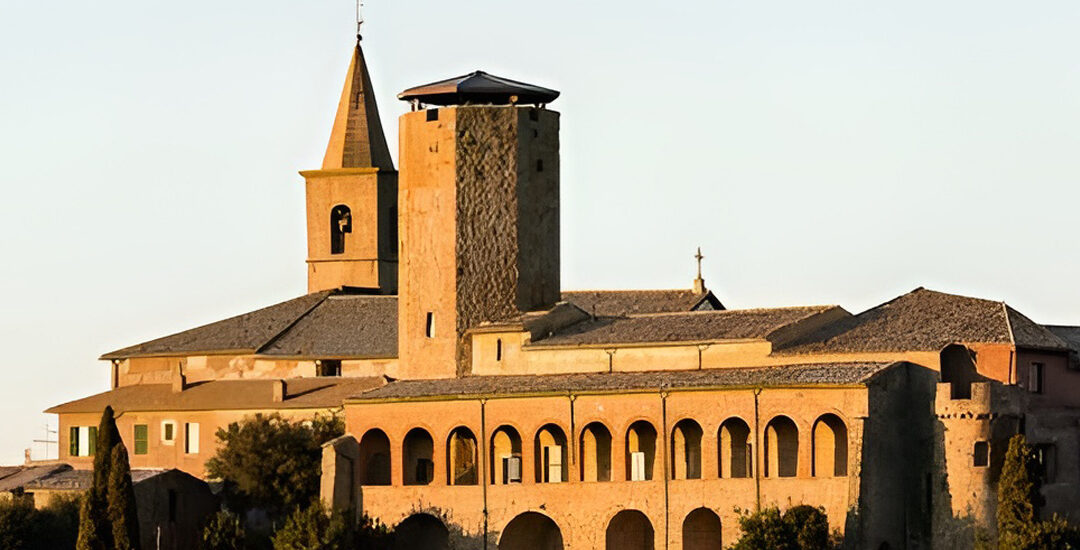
(830, 443)
(531, 531)
(340, 224)
(595, 446)
(686, 450)
(701, 530)
(462, 459)
(505, 456)
(629, 530)
(735, 454)
(640, 451)
(417, 457)
(549, 454)
(375, 458)
(781, 448)
(958, 369)
(421, 531)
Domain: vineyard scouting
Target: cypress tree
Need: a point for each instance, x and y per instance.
(1018, 493)
(95, 532)
(122, 512)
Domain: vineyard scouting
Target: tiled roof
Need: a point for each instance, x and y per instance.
(607, 303)
(792, 375)
(698, 326)
(1070, 335)
(27, 474)
(925, 320)
(328, 324)
(81, 480)
(300, 393)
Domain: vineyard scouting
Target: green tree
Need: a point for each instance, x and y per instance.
(55, 526)
(313, 528)
(1019, 501)
(799, 528)
(96, 530)
(270, 463)
(122, 511)
(223, 532)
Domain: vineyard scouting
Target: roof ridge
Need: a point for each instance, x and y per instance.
(689, 290)
(724, 311)
(289, 326)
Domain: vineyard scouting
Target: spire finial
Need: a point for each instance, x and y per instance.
(359, 19)
(699, 283)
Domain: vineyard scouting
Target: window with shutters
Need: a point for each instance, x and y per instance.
(191, 438)
(142, 439)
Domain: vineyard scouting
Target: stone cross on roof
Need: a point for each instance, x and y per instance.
(699, 283)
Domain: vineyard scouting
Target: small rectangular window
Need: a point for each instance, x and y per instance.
(168, 432)
(1035, 378)
(429, 327)
(142, 432)
(540, 165)
(432, 115)
(191, 438)
(1046, 457)
(83, 440)
(982, 454)
(329, 367)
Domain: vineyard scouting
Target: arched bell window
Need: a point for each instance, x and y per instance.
(340, 224)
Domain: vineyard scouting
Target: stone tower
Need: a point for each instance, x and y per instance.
(479, 209)
(352, 199)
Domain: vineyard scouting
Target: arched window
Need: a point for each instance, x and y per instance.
(340, 224)
(461, 461)
(421, 531)
(549, 450)
(505, 456)
(735, 451)
(629, 530)
(595, 453)
(701, 530)
(531, 531)
(958, 369)
(686, 450)
(417, 455)
(781, 448)
(640, 451)
(375, 458)
(830, 447)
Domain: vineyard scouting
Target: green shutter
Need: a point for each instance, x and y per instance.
(93, 441)
(73, 442)
(141, 439)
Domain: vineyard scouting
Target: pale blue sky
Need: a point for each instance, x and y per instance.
(819, 152)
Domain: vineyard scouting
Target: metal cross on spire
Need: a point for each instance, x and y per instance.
(699, 257)
(359, 19)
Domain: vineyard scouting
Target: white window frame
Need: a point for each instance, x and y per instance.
(163, 439)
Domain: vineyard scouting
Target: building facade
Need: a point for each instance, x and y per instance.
(487, 407)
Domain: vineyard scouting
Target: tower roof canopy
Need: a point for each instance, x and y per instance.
(479, 88)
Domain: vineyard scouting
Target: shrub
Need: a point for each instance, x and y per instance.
(799, 528)
(53, 527)
(312, 528)
(1019, 502)
(223, 532)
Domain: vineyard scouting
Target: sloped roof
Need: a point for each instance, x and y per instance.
(28, 474)
(790, 375)
(925, 320)
(697, 326)
(351, 324)
(1069, 334)
(479, 87)
(605, 303)
(81, 480)
(300, 393)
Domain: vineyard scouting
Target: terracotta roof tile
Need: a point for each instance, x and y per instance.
(793, 375)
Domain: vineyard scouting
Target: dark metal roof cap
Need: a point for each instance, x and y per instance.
(479, 88)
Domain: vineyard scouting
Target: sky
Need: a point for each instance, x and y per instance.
(828, 152)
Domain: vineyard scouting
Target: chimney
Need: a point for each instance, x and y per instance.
(279, 390)
(179, 381)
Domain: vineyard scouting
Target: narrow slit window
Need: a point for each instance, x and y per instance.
(982, 454)
(1035, 378)
(498, 349)
(540, 165)
(429, 325)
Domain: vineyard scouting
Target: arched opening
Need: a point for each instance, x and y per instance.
(830, 447)
(418, 450)
(421, 531)
(340, 224)
(461, 461)
(531, 531)
(686, 450)
(505, 456)
(629, 530)
(701, 530)
(958, 369)
(595, 453)
(781, 448)
(375, 458)
(640, 451)
(735, 452)
(549, 452)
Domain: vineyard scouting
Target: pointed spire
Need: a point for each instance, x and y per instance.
(357, 140)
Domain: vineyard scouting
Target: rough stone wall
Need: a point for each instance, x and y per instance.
(538, 209)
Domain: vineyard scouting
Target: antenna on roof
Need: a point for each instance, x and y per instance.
(359, 19)
(699, 283)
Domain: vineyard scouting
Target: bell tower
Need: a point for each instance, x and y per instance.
(352, 199)
(479, 218)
